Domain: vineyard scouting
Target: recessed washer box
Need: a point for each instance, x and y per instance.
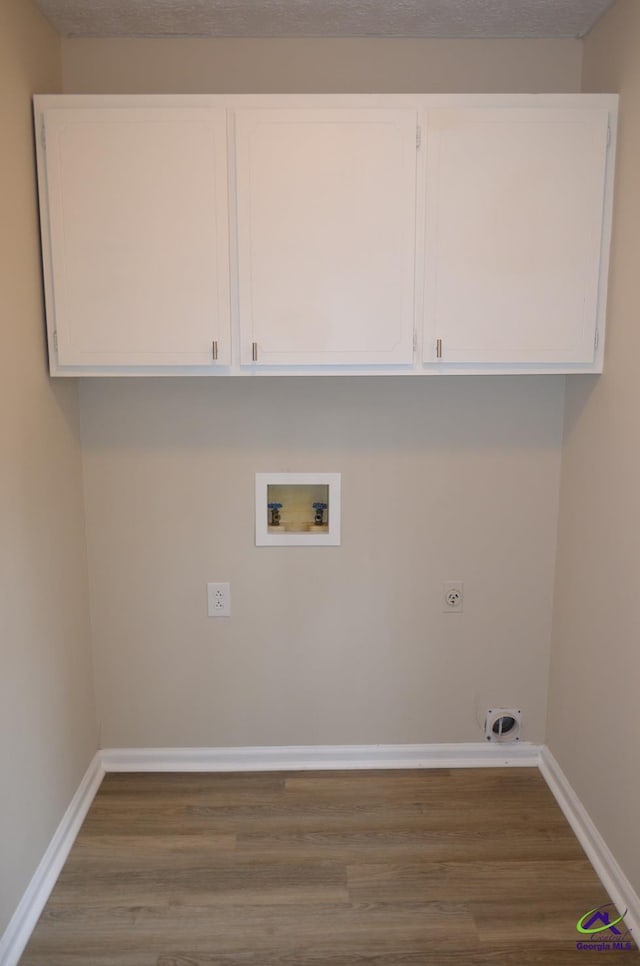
(297, 509)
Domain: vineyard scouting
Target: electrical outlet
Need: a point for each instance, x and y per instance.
(452, 597)
(219, 600)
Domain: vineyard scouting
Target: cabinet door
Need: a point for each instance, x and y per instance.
(326, 235)
(513, 234)
(137, 255)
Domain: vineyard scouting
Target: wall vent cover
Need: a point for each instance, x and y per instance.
(503, 724)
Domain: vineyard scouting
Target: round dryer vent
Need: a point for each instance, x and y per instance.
(503, 724)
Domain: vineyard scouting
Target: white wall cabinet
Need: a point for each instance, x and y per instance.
(326, 235)
(514, 218)
(261, 235)
(137, 236)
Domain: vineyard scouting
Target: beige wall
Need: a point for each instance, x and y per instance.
(304, 66)
(442, 478)
(47, 730)
(594, 721)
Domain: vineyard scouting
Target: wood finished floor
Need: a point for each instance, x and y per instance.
(387, 868)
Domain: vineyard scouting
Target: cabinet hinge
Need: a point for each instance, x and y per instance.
(43, 135)
(418, 136)
(596, 339)
(608, 135)
(415, 340)
(55, 341)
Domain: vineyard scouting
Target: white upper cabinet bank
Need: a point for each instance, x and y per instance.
(353, 234)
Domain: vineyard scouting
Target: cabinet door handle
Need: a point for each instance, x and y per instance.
(438, 348)
(214, 350)
(254, 351)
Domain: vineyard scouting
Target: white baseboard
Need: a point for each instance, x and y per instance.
(608, 870)
(24, 919)
(305, 757)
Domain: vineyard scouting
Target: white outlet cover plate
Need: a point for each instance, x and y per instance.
(219, 600)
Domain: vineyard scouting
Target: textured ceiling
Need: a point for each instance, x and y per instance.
(323, 18)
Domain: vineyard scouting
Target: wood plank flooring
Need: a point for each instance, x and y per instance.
(466, 867)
